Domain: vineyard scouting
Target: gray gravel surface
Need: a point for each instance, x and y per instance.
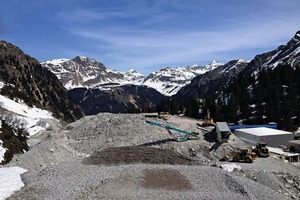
(74, 180)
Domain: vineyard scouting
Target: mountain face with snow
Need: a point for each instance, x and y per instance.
(100, 89)
(214, 81)
(284, 54)
(85, 72)
(25, 79)
(209, 83)
(169, 81)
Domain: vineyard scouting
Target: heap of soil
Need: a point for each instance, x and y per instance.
(139, 154)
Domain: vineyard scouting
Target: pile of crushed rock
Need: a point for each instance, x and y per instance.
(75, 180)
(120, 156)
(138, 154)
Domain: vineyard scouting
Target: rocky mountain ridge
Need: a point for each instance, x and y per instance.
(89, 73)
(284, 54)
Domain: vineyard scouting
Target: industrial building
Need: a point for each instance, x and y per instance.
(223, 131)
(270, 136)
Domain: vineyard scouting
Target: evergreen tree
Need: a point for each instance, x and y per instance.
(192, 107)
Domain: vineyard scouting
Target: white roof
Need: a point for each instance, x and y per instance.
(262, 131)
(222, 126)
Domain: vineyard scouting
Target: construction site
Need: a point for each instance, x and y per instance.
(144, 156)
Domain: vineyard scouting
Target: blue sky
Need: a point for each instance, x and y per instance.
(147, 35)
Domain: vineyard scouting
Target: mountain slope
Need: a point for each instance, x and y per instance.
(209, 83)
(29, 93)
(121, 99)
(284, 54)
(26, 79)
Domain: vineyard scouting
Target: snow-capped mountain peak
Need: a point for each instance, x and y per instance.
(85, 72)
(213, 65)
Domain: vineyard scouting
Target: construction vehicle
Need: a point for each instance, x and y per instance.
(164, 115)
(187, 134)
(243, 155)
(261, 150)
(208, 121)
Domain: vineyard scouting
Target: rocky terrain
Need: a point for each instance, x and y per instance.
(120, 156)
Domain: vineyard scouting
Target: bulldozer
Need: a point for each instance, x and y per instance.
(261, 150)
(243, 155)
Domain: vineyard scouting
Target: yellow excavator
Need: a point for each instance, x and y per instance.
(208, 121)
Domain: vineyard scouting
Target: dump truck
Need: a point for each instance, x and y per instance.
(261, 150)
(243, 155)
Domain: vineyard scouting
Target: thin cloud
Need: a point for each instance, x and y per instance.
(152, 34)
(154, 47)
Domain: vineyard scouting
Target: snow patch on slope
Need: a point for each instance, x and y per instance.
(57, 61)
(2, 151)
(10, 181)
(23, 116)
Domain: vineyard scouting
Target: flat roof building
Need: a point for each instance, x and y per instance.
(271, 137)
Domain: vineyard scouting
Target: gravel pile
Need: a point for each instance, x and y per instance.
(93, 158)
(74, 180)
(139, 154)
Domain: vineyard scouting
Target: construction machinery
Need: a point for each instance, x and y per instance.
(261, 150)
(208, 121)
(243, 155)
(187, 134)
(164, 115)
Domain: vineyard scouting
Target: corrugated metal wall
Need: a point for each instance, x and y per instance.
(271, 140)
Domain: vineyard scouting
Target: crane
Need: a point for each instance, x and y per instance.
(188, 135)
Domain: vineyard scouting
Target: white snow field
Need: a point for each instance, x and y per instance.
(10, 181)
